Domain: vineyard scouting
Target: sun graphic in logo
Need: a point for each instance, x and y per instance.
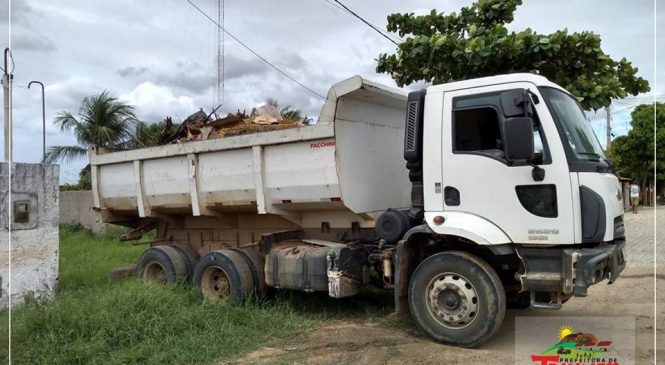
(565, 331)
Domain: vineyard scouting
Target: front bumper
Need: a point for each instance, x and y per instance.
(570, 271)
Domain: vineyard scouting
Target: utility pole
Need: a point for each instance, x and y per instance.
(609, 128)
(6, 91)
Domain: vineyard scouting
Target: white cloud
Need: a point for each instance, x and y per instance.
(154, 102)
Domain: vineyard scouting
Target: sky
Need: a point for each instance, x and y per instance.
(160, 55)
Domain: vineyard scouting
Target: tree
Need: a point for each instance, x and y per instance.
(287, 112)
(475, 43)
(633, 154)
(103, 121)
(85, 181)
(147, 135)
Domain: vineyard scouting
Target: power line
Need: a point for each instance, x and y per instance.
(623, 109)
(365, 21)
(334, 5)
(254, 52)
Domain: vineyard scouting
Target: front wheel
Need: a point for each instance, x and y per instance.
(457, 298)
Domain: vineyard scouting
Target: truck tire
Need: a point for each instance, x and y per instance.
(457, 298)
(190, 255)
(162, 264)
(256, 262)
(224, 276)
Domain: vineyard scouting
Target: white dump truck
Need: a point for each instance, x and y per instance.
(505, 198)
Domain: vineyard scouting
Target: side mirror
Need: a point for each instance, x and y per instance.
(516, 103)
(518, 138)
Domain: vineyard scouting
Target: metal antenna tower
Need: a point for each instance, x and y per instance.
(220, 52)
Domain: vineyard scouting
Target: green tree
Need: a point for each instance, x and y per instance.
(287, 112)
(103, 121)
(633, 154)
(475, 42)
(85, 181)
(147, 135)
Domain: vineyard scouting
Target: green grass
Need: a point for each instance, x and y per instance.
(96, 320)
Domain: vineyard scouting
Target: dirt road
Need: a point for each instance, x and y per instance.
(390, 340)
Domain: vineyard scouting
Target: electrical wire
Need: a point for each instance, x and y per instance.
(254, 52)
(366, 22)
(623, 109)
(334, 5)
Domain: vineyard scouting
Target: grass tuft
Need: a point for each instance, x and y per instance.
(96, 320)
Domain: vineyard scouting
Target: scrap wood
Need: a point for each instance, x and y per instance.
(255, 128)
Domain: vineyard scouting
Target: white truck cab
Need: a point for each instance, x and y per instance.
(510, 166)
(470, 181)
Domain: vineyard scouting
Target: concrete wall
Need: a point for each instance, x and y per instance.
(34, 236)
(76, 207)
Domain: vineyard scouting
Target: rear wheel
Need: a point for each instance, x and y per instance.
(190, 255)
(256, 261)
(161, 264)
(457, 298)
(224, 276)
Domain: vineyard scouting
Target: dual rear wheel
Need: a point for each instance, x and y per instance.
(163, 264)
(228, 275)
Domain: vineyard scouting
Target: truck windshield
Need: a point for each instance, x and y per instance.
(568, 113)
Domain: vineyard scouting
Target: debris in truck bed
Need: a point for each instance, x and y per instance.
(201, 126)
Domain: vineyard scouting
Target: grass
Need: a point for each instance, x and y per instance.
(96, 320)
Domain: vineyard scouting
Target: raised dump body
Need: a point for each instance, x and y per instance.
(336, 173)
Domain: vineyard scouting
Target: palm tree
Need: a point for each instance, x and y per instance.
(287, 112)
(103, 121)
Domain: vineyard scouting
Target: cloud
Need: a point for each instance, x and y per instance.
(22, 12)
(132, 72)
(193, 77)
(24, 34)
(33, 42)
(154, 102)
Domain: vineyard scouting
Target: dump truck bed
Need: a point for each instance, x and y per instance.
(346, 161)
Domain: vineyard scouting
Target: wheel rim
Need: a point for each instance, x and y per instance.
(154, 271)
(452, 300)
(215, 284)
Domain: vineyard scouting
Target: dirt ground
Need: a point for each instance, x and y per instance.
(390, 340)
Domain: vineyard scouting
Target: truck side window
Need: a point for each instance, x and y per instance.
(477, 121)
(477, 130)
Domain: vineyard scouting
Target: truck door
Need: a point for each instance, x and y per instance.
(478, 179)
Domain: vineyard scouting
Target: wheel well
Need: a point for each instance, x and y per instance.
(417, 247)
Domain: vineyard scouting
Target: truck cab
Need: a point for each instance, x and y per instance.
(508, 168)
(564, 193)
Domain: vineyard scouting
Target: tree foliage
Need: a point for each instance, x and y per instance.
(633, 154)
(475, 42)
(85, 181)
(287, 112)
(103, 121)
(147, 135)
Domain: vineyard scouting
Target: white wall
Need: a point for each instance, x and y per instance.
(76, 207)
(34, 245)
